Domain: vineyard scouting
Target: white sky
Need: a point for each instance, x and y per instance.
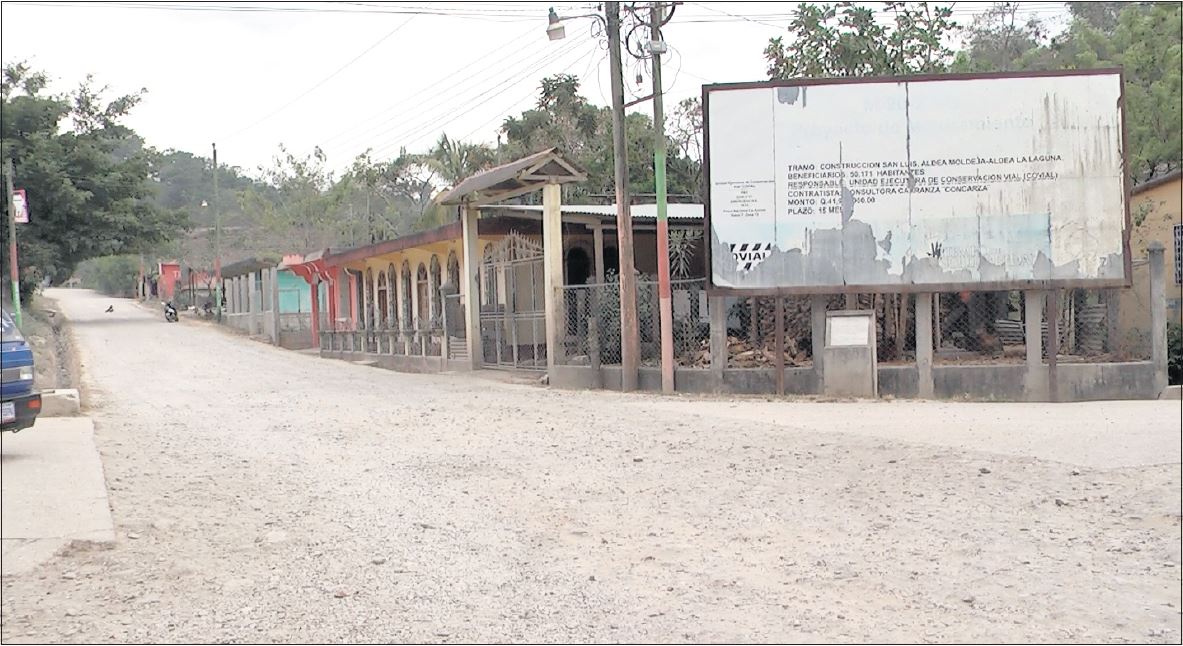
(357, 75)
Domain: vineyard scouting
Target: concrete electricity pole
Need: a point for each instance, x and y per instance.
(15, 276)
(629, 329)
(217, 241)
(664, 291)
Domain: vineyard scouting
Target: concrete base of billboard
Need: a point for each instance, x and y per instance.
(1076, 381)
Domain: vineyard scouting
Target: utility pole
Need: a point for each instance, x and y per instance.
(15, 276)
(629, 329)
(664, 291)
(217, 241)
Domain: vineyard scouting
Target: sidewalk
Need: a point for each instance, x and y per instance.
(54, 491)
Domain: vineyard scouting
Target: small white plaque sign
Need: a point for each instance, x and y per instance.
(850, 330)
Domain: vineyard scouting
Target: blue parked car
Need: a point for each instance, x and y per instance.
(19, 402)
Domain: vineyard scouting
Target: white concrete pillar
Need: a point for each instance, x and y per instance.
(470, 275)
(244, 303)
(817, 326)
(718, 314)
(552, 265)
(1036, 386)
(256, 303)
(1158, 316)
(273, 296)
(924, 347)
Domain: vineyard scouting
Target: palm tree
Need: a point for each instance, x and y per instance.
(455, 160)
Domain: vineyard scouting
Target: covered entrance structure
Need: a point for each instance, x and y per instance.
(518, 323)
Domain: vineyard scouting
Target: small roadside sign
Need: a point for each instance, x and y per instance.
(20, 206)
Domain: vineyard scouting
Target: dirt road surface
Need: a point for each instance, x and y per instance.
(262, 495)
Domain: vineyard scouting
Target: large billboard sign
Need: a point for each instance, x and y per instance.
(917, 183)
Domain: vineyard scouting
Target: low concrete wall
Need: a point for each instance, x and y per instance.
(902, 382)
(396, 362)
(296, 340)
(986, 382)
(1077, 381)
(1087, 381)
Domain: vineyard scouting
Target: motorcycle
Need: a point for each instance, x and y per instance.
(170, 313)
(206, 311)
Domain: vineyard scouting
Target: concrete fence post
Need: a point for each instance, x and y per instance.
(817, 323)
(717, 310)
(1158, 316)
(924, 347)
(252, 285)
(1036, 385)
(276, 319)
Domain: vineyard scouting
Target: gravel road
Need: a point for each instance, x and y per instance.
(261, 495)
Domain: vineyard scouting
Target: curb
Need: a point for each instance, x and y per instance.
(60, 402)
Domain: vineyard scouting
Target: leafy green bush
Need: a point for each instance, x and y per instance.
(112, 275)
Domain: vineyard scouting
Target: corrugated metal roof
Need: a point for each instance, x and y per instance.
(639, 211)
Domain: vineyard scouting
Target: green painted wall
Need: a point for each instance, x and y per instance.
(295, 296)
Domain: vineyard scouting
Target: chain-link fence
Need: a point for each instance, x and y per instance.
(1108, 325)
(1094, 325)
(593, 323)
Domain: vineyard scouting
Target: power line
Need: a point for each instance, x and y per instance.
(461, 112)
(367, 128)
(591, 61)
(442, 99)
(247, 8)
(325, 79)
(485, 96)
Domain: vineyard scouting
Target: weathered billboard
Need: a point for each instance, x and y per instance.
(917, 183)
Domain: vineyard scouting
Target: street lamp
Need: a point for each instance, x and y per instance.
(555, 30)
(630, 340)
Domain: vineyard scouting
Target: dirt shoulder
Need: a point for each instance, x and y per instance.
(54, 356)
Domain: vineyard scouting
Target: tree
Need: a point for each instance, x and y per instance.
(113, 275)
(844, 39)
(564, 119)
(455, 160)
(998, 41)
(684, 130)
(1143, 38)
(87, 176)
(300, 203)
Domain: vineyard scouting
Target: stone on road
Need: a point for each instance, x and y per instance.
(265, 486)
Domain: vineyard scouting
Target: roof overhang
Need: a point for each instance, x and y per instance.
(519, 177)
(248, 265)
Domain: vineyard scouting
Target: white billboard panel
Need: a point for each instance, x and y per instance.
(897, 184)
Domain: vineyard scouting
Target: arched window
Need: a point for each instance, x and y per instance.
(405, 297)
(422, 313)
(368, 299)
(488, 277)
(454, 270)
(382, 314)
(436, 299)
(392, 298)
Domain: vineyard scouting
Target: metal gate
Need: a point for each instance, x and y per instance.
(513, 311)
